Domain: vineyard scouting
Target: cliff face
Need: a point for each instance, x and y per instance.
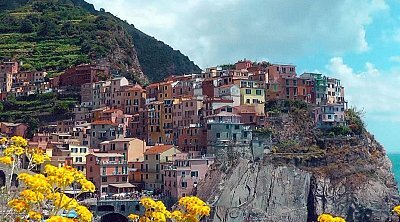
(302, 174)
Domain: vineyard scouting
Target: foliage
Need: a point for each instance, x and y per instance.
(42, 195)
(157, 59)
(190, 209)
(330, 218)
(52, 35)
(340, 131)
(264, 131)
(34, 109)
(354, 120)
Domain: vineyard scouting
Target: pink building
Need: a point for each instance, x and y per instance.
(184, 174)
(107, 171)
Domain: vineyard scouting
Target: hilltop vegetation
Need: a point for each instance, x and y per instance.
(52, 35)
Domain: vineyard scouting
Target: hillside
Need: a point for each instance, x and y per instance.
(53, 35)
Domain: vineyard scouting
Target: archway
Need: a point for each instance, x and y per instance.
(2, 178)
(114, 217)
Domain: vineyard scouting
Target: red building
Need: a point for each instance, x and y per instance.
(106, 170)
(79, 75)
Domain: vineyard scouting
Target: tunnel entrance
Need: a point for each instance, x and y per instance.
(114, 217)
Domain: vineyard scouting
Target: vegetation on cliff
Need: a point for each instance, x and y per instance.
(52, 35)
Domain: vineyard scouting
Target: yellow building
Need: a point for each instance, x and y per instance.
(251, 93)
(154, 158)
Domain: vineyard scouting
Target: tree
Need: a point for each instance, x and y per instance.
(47, 28)
(26, 26)
(60, 108)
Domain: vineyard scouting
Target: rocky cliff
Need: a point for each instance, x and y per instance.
(303, 173)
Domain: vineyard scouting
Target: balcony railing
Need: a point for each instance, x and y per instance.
(124, 162)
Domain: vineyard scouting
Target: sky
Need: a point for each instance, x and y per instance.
(357, 41)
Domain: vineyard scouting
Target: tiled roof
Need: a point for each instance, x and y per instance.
(158, 149)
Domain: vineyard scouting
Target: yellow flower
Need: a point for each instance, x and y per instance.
(6, 160)
(84, 214)
(31, 196)
(3, 140)
(396, 209)
(18, 205)
(59, 219)
(329, 218)
(34, 216)
(133, 217)
(19, 141)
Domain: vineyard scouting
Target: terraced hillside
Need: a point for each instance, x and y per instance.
(52, 35)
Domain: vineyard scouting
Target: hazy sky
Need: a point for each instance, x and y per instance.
(354, 40)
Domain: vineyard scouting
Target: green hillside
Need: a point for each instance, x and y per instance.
(52, 35)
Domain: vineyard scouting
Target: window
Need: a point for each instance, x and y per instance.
(104, 179)
(125, 146)
(248, 91)
(247, 100)
(184, 184)
(157, 156)
(194, 174)
(82, 150)
(91, 169)
(227, 127)
(258, 92)
(146, 157)
(147, 176)
(218, 135)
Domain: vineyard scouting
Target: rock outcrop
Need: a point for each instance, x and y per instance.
(303, 174)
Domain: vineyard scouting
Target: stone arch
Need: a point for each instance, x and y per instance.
(114, 217)
(2, 178)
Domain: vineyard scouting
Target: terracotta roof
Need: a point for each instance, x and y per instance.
(153, 85)
(158, 149)
(101, 122)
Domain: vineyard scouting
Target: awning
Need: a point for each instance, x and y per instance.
(122, 185)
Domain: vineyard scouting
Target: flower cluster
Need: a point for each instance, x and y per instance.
(16, 147)
(42, 190)
(330, 218)
(189, 209)
(396, 209)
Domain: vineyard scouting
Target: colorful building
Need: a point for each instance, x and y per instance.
(184, 174)
(154, 158)
(106, 169)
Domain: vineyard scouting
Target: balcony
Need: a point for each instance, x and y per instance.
(119, 173)
(123, 162)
